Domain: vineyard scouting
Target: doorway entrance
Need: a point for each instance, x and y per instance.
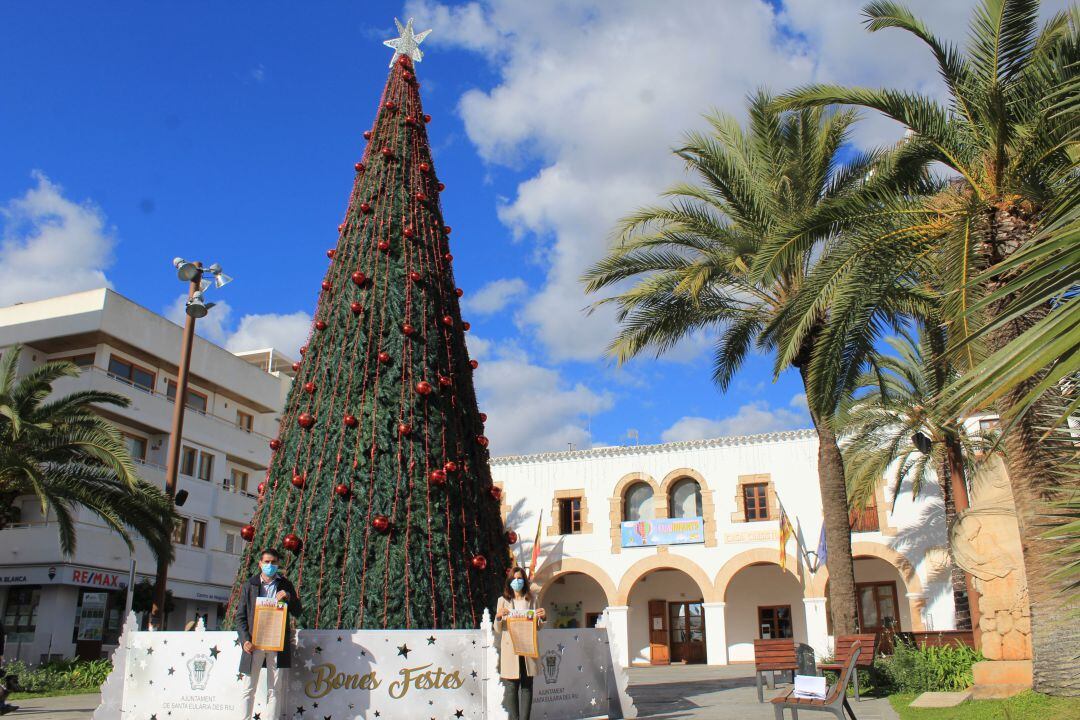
(877, 606)
(687, 623)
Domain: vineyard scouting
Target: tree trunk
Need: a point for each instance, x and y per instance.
(1055, 634)
(958, 496)
(961, 606)
(834, 506)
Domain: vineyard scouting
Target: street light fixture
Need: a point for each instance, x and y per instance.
(195, 308)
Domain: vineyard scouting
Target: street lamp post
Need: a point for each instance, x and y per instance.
(195, 308)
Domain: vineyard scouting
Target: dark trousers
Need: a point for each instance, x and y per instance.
(517, 694)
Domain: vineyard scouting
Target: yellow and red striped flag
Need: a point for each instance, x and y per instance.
(536, 546)
(786, 532)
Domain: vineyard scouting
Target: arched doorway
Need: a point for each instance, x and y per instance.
(666, 615)
(881, 595)
(573, 600)
(762, 601)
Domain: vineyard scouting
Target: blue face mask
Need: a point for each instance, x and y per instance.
(269, 569)
(517, 584)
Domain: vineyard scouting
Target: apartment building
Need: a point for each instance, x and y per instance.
(52, 605)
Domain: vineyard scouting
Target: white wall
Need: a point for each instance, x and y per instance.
(753, 587)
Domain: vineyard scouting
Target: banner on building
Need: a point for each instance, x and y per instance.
(673, 531)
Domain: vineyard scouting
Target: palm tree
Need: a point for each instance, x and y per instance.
(68, 456)
(1014, 158)
(891, 430)
(691, 262)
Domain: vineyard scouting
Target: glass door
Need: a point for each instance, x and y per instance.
(687, 623)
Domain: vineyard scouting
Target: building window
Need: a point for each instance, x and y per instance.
(206, 466)
(20, 615)
(136, 446)
(638, 503)
(97, 616)
(131, 374)
(989, 426)
(83, 361)
(866, 519)
(774, 622)
(685, 499)
(233, 546)
(877, 606)
(756, 501)
(196, 400)
(244, 421)
(238, 480)
(179, 534)
(198, 533)
(188, 458)
(569, 516)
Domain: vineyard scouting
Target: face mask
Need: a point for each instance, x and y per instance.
(269, 569)
(517, 584)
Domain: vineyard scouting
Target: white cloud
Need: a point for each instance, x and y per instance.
(749, 419)
(494, 296)
(530, 408)
(51, 245)
(283, 332)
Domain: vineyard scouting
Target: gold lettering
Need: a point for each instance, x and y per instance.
(321, 685)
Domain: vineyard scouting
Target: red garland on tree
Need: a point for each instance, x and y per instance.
(374, 443)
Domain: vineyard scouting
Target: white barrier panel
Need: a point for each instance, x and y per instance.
(572, 678)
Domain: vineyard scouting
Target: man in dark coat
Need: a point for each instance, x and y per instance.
(267, 583)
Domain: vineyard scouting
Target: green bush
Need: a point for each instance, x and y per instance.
(931, 669)
(59, 675)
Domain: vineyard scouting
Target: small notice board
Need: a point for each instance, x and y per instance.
(268, 628)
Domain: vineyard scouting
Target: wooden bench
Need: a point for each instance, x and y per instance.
(844, 643)
(771, 656)
(835, 700)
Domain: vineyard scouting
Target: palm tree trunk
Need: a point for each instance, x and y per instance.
(834, 506)
(961, 607)
(1055, 634)
(958, 496)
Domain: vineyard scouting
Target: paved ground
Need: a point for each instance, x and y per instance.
(678, 692)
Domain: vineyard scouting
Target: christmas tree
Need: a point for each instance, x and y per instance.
(379, 489)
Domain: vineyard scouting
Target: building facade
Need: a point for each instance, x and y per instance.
(52, 605)
(681, 544)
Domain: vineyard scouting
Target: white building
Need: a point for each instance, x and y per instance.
(56, 605)
(681, 543)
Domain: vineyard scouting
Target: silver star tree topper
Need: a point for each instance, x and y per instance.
(408, 44)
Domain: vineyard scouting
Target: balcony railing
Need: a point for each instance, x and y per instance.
(166, 398)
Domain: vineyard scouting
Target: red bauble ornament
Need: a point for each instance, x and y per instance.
(384, 245)
(427, 118)
(296, 366)
(292, 543)
(387, 153)
(309, 387)
(408, 232)
(320, 325)
(404, 429)
(367, 134)
(466, 326)
(381, 523)
(424, 167)
(262, 488)
(342, 490)
(414, 276)
(459, 292)
(365, 207)
(408, 329)
(479, 562)
(275, 444)
(359, 278)
(448, 257)
(356, 308)
(403, 61)
(248, 533)
(421, 197)
(474, 364)
(450, 466)
(445, 381)
(441, 186)
(384, 357)
(331, 253)
(496, 492)
(341, 227)
(446, 229)
(437, 477)
(511, 537)
(350, 421)
(410, 120)
(423, 387)
(408, 76)
(390, 105)
(483, 417)
(326, 285)
(303, 349)
(448, 320)
(305, 420)
(298, 481)
(481, 441)
(359, 167)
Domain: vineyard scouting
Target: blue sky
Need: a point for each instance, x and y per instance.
(134, 132)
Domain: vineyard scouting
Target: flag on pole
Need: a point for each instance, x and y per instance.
(786, 532)
(822, 549)
(536, 545)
